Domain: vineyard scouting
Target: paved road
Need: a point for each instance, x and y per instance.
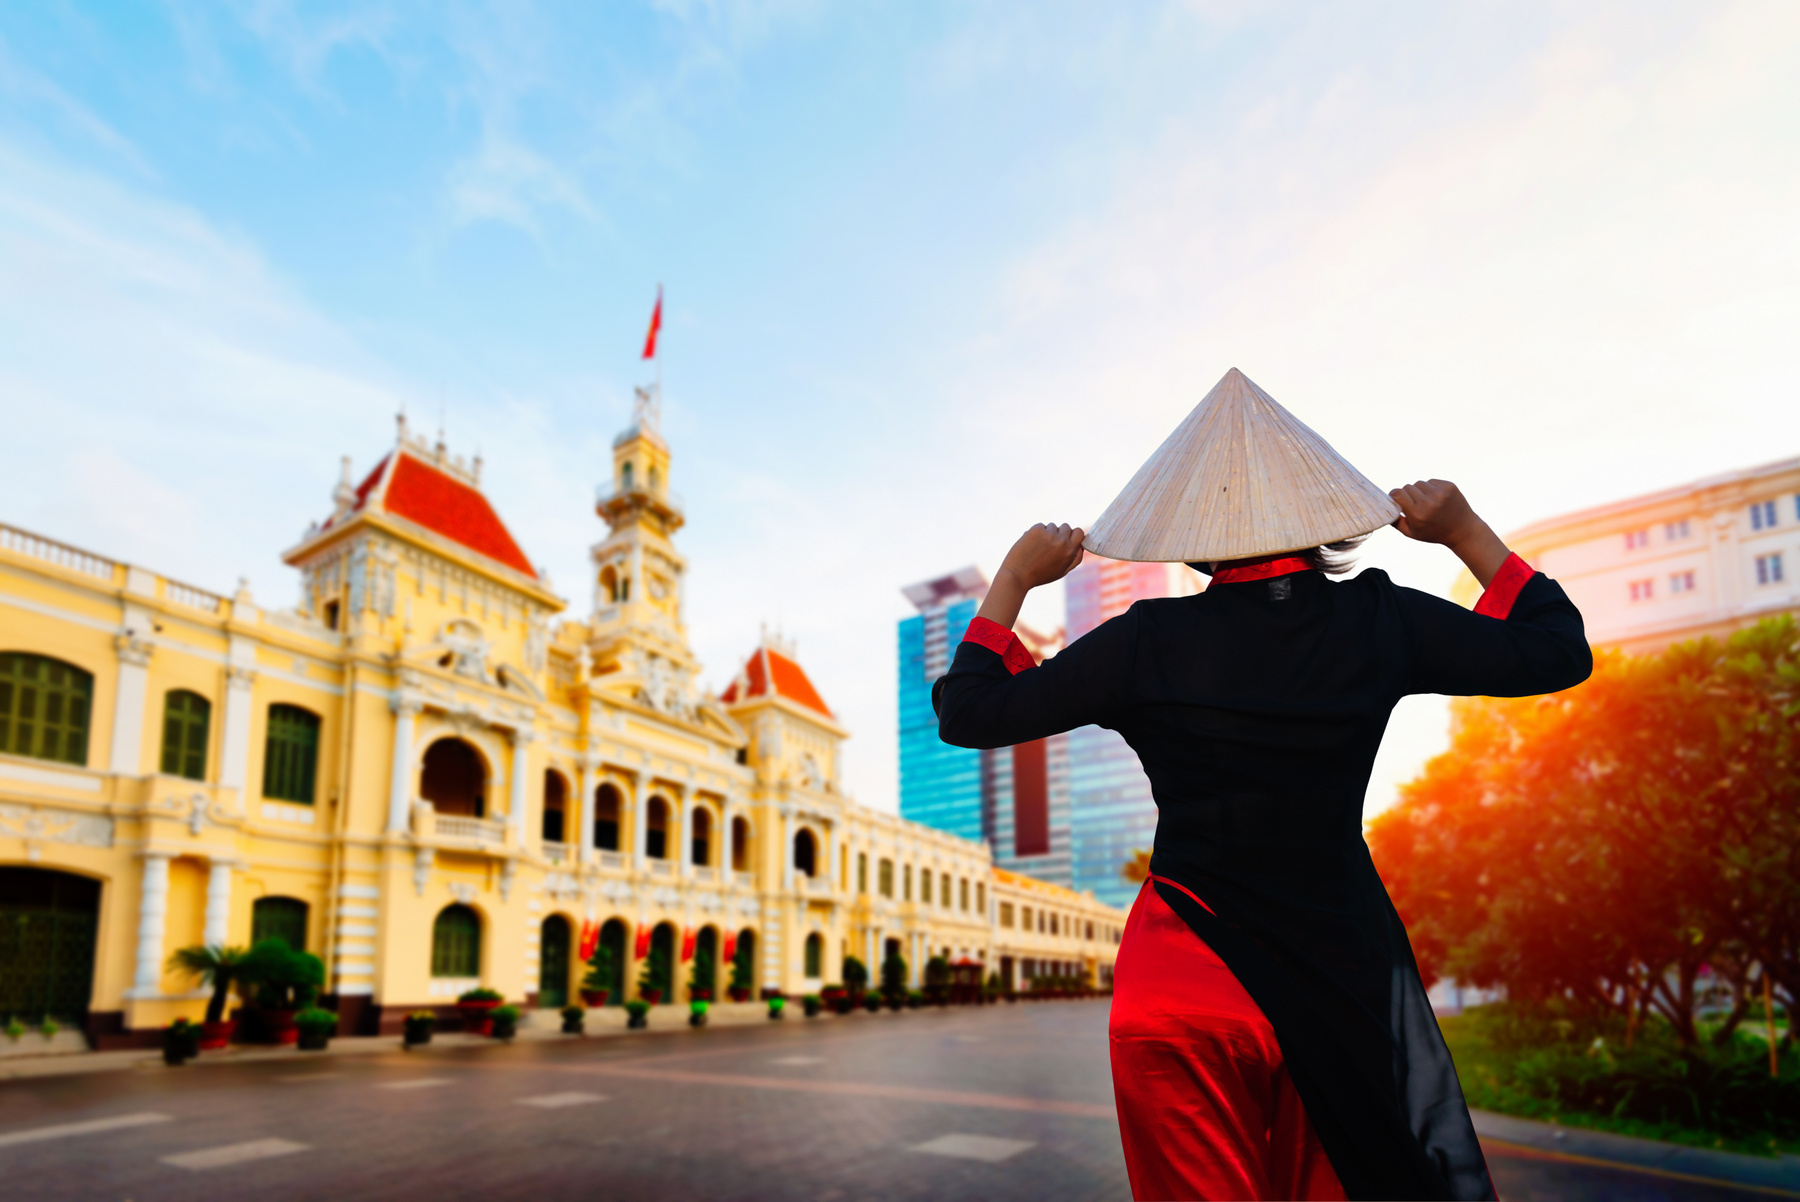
(997, 1103)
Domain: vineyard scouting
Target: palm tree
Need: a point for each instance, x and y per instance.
(217, 966)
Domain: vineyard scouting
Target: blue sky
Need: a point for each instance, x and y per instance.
(934, 272)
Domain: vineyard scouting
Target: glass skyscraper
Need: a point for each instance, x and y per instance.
(1015, 798)
(1112, 814)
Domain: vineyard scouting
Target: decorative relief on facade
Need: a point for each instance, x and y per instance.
(133, 650)
(38, 825)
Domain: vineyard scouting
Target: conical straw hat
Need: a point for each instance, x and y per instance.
(1240, 477)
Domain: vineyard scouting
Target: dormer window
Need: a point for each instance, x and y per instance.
(625, 476)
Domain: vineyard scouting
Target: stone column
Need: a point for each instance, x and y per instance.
(831, 858)
(400, 783)
(787, 850)
(153, 909)
(128, 706)
(640, 827)
(685, 852)
(726, 850)
(582, 814)
(515, 807)
(218, 904)
(234, 735)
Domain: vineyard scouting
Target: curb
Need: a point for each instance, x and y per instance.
(1772, 1175)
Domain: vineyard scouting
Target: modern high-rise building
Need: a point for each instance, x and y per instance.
(1014, 798)
(1112, 813)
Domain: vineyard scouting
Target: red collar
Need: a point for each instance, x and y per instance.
(1267, 570)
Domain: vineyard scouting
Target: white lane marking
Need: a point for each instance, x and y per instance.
(116, 1123)
(416, 1083)
(555, 1101)
(218, 1158)
(973, 1147)
(799, 1060)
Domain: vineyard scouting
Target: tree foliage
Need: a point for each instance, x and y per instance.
(1619, 844)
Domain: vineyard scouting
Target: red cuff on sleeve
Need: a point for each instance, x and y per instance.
(1503, 589)
(1001, 642)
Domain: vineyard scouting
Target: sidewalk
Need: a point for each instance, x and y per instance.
(536, 1025)
(1774, 1174)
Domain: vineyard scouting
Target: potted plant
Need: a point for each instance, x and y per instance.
(893, 979)
(316, 1027)
(856, 975)
(811, 1004)
(655, 973)
(638, 1014)
(573, 1017)
(503, 1022)
(743, 974)
(597, 985)
(914, 999)
(477, 1007)
(48, 1028)
(15, 1029)
(703, 975)
(218, 968)
(776, 1002)
(992, 991)
(417, 1028)
(181, 1041)
(287, 981)
(697, 1012)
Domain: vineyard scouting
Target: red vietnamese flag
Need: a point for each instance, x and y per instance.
(590, 939)
(655, 326)
(730, 948)
(643, 943)
(687, 945)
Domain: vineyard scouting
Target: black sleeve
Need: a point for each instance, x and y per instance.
(1540, 647)
(981, 704)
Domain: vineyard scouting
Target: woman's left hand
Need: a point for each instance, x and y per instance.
(1044, 554)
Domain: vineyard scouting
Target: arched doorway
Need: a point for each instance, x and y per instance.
(606, 818)
(659, 968)
(48, 921)
(815, 956)
(455, 779)
(612, 938)
(740, 844)
(556, 804)
(553, 961)
(743, 962)
(456, 943)
(702, 849)
(806, 853)
(656, 834)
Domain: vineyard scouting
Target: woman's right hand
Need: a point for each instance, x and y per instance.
(1435, 511)
(1044, 554)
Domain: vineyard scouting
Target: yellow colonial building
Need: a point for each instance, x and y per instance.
(425, 777)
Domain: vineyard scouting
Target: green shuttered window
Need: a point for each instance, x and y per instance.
(456, 943)
(186, 718)
(291, 757)
(281, 918)
(44, 707)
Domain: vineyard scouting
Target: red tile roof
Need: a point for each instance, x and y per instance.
(413, 489)
(789, 678)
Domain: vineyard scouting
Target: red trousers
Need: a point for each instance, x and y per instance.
(1206, 1108)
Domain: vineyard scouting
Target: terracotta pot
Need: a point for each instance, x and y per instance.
(595, 998)
(278, 1026)
(215, 1036)
(478, 1017)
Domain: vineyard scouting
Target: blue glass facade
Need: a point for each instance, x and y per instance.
(940, 785)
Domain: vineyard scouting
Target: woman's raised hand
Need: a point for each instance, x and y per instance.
(1435, 511)
(1043, 554)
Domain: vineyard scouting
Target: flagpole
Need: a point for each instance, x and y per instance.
(659, 396)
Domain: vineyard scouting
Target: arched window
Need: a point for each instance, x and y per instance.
(48, 923)
(706, 966)
(962, 893)
(609, 583)
(606, 818)
(660, 970)
(806, 852)
(44, 706)
(625, 476)
(702, 849)
(455, 779)
(556, 805)
(656, 834)
(291, 754)
(815, 955)
(282, 918)
(456, 943)
(186, 717)
(743, 960)
(862, 872)
(925, 884)
(944, 890)
(884, 877)
(740, 845)
(612, 938)
(906, 885)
